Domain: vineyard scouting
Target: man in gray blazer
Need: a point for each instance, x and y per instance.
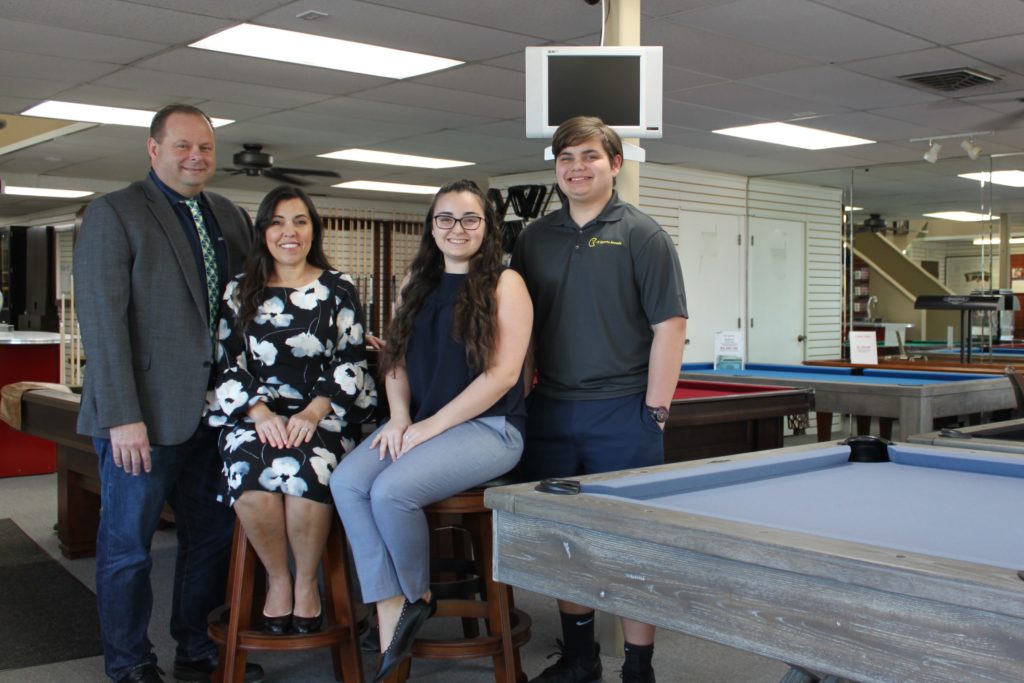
(149, 268)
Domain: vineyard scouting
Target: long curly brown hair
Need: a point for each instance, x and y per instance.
(259, 265)
(476, 311)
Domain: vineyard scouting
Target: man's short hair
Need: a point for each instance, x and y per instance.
(156, 128)
(580, 129)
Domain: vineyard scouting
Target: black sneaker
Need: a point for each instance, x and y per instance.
(201, 670)
(571, 669)
(147, 673)
(634, 674)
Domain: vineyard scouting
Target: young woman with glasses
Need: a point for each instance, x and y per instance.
(453, 368)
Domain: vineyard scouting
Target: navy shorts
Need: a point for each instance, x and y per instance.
(569, 438)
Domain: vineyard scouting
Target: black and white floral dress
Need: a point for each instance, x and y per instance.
(302, 343)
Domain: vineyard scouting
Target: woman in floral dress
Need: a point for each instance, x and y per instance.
(292, 387)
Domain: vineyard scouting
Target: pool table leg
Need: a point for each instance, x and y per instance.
(824, 426)
(863, 424)
(885, 427)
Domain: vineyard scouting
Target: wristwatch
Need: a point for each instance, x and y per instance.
(659, 414)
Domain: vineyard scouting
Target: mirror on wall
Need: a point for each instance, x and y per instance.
(924, 228)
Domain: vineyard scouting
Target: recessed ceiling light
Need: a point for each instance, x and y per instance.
(853, 208)
(377, 186)
(390, 158)
(72, 111)
(793, 136)
(45, 192)
(963, 216)
(330, 53)
(1008, 178)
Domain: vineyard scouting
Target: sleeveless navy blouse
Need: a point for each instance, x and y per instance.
(435, 361)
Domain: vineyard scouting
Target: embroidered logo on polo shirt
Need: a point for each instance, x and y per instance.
(594, 242)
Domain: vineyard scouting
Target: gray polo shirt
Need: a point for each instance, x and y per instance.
(596, 292)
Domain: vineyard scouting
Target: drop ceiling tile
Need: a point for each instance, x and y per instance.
(944, 117)
(750, 101)
(802, 28)
(259, 72)
(41, 67)
(430, 97)
(224, 9)
(483, 80)
(685, 115)
(836, 85)
(177, 86)
(548, 20)
(116, 18)
(352, 112)
(708, 53)
(940, 21)
(378, 25)
(1007, 51)
(19, 36)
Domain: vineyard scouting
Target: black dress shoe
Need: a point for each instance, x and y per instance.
(147, 673)
(410, 621)
(277, 626)
(307, 625)
(201, 670)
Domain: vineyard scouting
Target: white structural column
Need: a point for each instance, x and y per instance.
(623, 28)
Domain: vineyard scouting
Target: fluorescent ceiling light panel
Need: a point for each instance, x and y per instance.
(92, 113)
(329, 53)
(962, 216)
(390, 158)
(853, 208)
(45, 192)
(793, 136)
(985, 241)
(386, 187)
(1008, 178)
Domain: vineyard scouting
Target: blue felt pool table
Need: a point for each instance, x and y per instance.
(905, 570)
(915, 398)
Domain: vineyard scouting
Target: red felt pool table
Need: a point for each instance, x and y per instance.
(708, 419)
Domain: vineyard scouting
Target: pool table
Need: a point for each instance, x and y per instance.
(915, 398)
(720, 418)
(1006, 437)
(930, 363)
(905, 570)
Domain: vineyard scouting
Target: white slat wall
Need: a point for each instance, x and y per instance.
(820, 209)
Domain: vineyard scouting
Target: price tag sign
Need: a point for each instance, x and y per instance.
(729, 350)
(864, 348)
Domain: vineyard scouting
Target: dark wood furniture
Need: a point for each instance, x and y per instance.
(235, 626)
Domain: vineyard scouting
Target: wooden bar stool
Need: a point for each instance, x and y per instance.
(463, 517)
(235, 626)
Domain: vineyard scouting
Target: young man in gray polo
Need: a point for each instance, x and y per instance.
(608, 334)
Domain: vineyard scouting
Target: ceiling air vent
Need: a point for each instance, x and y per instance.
(951, 79)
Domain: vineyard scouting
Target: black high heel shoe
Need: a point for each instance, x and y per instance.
(307, 625)
(410, 621)
(277, 626)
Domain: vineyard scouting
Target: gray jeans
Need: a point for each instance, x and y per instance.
(381, 502)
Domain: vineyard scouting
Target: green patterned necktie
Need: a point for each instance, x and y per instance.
(209, 264)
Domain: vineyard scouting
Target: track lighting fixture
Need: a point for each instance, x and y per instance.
(932, 155)
(973, 150)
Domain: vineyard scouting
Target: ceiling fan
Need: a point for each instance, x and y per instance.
(253, 161)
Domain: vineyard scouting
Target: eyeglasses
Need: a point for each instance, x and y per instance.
(468, 222)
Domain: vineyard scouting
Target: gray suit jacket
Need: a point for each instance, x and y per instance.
(143, 312)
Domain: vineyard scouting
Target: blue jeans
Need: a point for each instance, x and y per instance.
(187, 476)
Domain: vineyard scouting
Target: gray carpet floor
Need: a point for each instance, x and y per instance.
(32, 503)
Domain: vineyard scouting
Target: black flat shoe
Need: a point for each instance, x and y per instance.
(277, 626)
(306, 625)
(410, 621)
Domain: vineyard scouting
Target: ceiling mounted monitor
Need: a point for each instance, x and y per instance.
(621, 85)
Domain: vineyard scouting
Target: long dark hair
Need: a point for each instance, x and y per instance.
(259, 265)
(476, 311)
